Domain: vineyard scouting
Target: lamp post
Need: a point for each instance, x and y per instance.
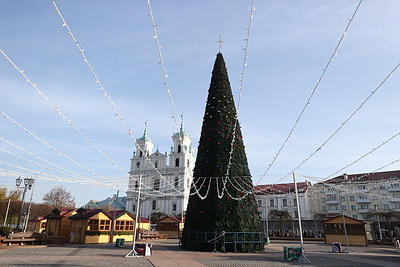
(28, 183)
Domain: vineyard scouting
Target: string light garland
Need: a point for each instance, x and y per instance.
(40, 158)
(51, 147)
(61, 114)
(161, 62)
(365, 155)
(33, 162)
(308, 102)
(101, 88)
(346, 121)
(246, 48)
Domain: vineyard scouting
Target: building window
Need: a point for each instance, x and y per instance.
(351, 198)
(354, 216)
(259, 203)
(154, 205)
(124, 225)
(332, 198)
(343, 208)
(156, 184)
(342, 198)
(156, 164)
(363, 197)
(176, 162)
(284, 202)
(376, 207)
(136, 185)
(353, 207)
(188, 163)
(134, 208)
(385, 206)
(179, 148)
(271, 202)
(176, 182)
(137, 165)
(296, 214)
(364, 207)
(96, 225)
(174, 207)
(141, 153)
(324, 208)
(322, 199)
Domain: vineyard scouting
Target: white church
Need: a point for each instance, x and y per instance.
(165, 179)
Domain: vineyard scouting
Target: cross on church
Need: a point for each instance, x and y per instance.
(220, 42)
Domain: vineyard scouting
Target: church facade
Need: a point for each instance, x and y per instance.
(164, 179)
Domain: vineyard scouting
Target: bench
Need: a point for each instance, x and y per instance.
(24, 238)
(149, 235)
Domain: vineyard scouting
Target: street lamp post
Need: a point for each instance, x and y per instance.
(28, 182)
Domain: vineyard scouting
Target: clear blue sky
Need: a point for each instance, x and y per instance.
(290, 44)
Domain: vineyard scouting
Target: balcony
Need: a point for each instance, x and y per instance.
(364, 210)
(363, 201)
(394, 189)
(332, 202)
(333, 211)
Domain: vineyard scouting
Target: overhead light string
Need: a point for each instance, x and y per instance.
(40, 158)
(60, 113)
(161, 62)
(324, 70)
(102, 88)
(347, 120)
(246, 48)
(49, 146)
(35, 163)
(365, 155)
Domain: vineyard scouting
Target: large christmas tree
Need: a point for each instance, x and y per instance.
(222, 198)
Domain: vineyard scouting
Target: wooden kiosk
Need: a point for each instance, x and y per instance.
(355, 229)
(171, 226)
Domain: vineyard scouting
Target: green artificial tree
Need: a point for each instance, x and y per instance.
(221, 198)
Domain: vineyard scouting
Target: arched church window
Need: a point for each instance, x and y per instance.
(176, 162)
(156, 164)
(136, 185)
(179, 148)
(156, 184)
(137, 165)
(141, 153)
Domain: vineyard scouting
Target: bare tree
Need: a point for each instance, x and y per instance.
(58, 197)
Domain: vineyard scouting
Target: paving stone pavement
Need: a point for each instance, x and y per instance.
(167, 253)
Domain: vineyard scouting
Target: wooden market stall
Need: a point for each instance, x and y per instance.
(90, 226)
(124, 225)
(37, 225)
(356, 231)
(170, 226)
(144, 224)
(58, 224)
